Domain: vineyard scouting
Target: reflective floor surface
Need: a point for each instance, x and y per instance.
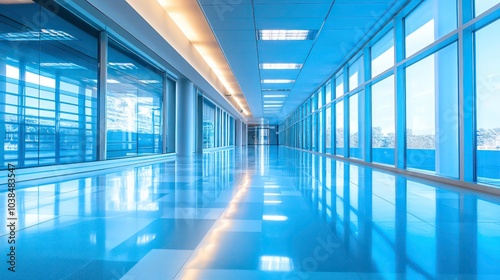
(257, 213)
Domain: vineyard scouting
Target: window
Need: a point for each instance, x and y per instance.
(328, 130)
(383, 122)
(48, 94)
(208, 124)
(431, 113)
(339, 128)
(431, 20)
(339, 86)
(480, 6)
(134, 87)
(320, 131)
(382, 54)
(354, 136)
(328, 92)
(314, 130)
(487, 100)
(356, 73)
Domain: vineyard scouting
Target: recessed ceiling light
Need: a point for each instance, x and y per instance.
(272, 106)
(277, 81)
(274, 96)
(280, 66)
(273, 101)
(281, 34)
(275, 89)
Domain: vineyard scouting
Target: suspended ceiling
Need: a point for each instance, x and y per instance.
(343, 26)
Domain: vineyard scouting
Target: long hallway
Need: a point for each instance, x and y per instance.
(256, 213)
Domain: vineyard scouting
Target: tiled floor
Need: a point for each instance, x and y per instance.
(257, 213)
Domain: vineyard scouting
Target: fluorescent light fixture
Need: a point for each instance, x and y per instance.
(62, 65)
(275, 89)
(272, 105)
(275, 218)
(122, 65)
(280, 66)
(282, 34)
(273, 101)
(42, 35)
(112, 81)
(271, 186)
(277, 81)
(274, 95)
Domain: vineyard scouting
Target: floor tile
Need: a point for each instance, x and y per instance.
(159, 264)
(238, 225)
(102, 270)
(193, 213)
(175, 234)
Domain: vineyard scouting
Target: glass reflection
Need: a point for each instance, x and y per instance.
(392, 225)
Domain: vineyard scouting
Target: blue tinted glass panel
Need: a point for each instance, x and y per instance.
(356, 73)
(339, 86)
(354, 139)
(133, 105)
(431, 20)
(383, 122)
(339, 128)
(382, 54)
(431, 113)
(480, 6)
(48, 89)
(487, 100)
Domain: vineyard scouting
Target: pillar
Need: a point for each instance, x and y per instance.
(185, 144)
(103, 77)
(239, 133)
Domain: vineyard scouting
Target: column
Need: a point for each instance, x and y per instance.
(171, 115)
(199, 123)
(365, 109)
(185, 118)
(103, 88)
(446, 98)
(238, 134)
(400, 96)
(466, 95)
(164, 114)
(244, 134)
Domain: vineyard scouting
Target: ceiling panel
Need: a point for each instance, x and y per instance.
(312, 23)
(342, 24)
(233, 24)
(283, 51)
(221, 12)
(341, 10)
(291, 10)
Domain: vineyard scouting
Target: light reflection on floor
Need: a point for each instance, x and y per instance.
(257, 213)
